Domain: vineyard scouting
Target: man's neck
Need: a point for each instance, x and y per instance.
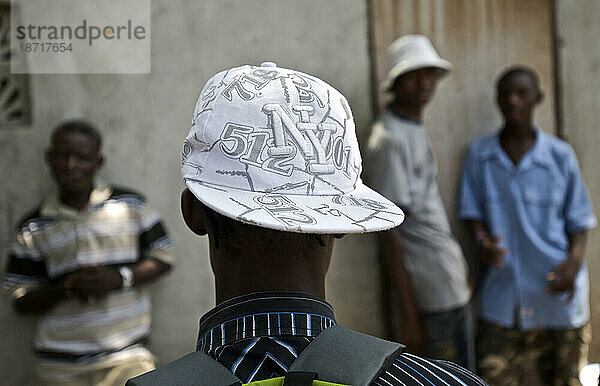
(75, 199)
(248, 275)
(225, 292)
(516, 141)
(411, 112)
(241, 273)
(519, 133)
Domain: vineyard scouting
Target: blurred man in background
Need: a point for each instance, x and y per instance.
(78, 260)
(427, 275)
(529, 211)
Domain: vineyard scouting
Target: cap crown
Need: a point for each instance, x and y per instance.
(270, 129)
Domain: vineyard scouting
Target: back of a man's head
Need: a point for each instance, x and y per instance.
(227, 233)
(272, 169)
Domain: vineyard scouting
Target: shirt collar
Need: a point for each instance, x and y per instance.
(53, 207)
(264, 314)
(539, 154)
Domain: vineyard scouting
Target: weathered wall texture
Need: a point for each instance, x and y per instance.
(144, 119)
(579, 56)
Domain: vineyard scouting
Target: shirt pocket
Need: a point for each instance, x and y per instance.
(542, 202)
(542, 195)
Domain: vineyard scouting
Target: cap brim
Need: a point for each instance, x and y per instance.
(362, 210)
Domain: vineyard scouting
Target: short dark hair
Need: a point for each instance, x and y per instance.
(78, 126)
(519, 70)
(227, 229)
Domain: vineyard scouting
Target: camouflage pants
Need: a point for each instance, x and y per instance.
(509, 356)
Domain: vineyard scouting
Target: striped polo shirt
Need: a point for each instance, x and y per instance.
(116, 228)
(259, 335)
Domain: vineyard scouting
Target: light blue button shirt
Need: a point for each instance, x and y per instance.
(533, 206)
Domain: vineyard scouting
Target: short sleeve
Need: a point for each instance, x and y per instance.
(470, 201)
(578, 210)
(155, 242)
(387, 173)
(25, 268)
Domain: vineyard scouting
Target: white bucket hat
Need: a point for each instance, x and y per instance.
(277, 148)
(411, 52)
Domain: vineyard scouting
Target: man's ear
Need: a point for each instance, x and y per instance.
(192, 213)
(100, 161)
(540, 98)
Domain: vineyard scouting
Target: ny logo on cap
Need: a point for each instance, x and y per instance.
(304, 134)
(313, 141)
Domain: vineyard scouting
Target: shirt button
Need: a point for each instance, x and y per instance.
(268, 64)
(527, 312)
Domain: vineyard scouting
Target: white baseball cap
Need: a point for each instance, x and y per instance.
(409, 53)
(277, 148)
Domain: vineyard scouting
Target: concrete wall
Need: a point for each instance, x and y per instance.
(580, 82)
(144, 119)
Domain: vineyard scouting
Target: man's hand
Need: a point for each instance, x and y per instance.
(40, 299)
(490, 251)
(92, 283)
(562, 279)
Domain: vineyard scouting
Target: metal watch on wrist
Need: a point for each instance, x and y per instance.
(126, 277)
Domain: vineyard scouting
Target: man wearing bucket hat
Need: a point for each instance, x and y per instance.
(427, 287)
(272, 169)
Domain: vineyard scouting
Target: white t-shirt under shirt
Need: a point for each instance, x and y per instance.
(401, 166)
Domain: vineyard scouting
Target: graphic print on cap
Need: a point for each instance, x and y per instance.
(277, 148)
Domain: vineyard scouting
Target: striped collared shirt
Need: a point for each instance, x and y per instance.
(116, 228)
(258, 336)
